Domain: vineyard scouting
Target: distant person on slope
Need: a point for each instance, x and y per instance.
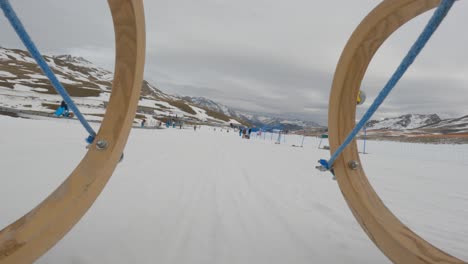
(64, 105)
(62, 110)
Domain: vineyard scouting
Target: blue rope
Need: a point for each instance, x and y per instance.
(27, 41)
(422, 40)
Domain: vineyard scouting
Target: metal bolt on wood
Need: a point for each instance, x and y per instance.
(354, 165)
(101, 144)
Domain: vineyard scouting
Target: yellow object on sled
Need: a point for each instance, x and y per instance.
(361, 98)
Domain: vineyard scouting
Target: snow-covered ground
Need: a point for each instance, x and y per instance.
(205, 196)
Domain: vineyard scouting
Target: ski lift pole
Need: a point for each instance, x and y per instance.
(365, 138)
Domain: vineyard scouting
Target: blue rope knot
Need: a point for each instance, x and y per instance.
(90, 139)
(410, 57)
(324, 164)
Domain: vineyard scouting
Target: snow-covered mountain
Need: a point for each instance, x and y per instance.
(262, 120)
(270, 122)
(449, 126)
(210, 104)
(420, 128)
(24, 89)
(409, 121)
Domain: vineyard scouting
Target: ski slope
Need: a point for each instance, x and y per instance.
(205, 196)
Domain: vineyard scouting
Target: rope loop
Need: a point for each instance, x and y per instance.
(436, 19)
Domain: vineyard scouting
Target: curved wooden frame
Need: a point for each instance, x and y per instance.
(394, 239)
(31, 236)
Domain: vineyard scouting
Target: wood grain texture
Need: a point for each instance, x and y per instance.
(31, 236)
(394, 239)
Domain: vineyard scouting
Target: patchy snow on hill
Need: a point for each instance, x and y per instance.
(7, 74)
(84, 81)
(451, 125)
(24, 89)
(410, 121)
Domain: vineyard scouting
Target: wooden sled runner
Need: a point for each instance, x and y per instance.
(31, 236)
(393, 238)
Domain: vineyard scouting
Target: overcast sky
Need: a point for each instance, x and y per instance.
(265, 56)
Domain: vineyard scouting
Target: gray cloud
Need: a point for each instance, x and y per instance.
(276, 57)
